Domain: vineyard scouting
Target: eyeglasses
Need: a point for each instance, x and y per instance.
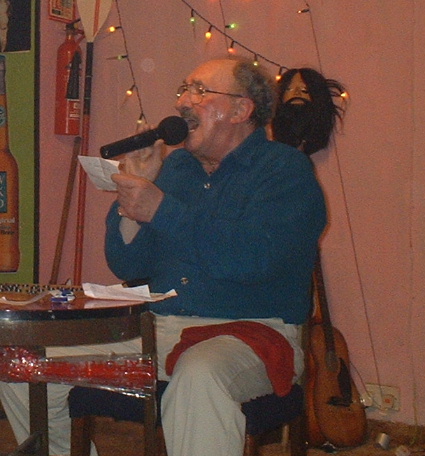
(197, 92)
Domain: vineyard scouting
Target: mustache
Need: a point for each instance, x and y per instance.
(187, 114)
(302, 100)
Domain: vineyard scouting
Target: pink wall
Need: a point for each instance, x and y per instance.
(373, 251)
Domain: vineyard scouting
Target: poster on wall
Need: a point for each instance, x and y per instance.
(18, 140)
(62, 10)
(15, 25)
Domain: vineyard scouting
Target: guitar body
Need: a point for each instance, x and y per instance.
(337, 407)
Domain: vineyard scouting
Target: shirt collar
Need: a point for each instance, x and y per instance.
(243, 154)
(246, 151)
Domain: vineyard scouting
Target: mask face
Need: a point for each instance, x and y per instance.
(297, 91)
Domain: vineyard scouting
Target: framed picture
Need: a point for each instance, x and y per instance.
(15, 25)
(19, 61)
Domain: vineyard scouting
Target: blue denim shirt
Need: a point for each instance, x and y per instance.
(240, 243)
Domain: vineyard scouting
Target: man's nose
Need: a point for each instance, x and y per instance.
(183, 99)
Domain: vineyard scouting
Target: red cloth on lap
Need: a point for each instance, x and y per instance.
(268, 344)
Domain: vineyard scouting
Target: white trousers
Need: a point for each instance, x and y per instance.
(201, 411)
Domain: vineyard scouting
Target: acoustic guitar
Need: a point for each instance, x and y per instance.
(336, 414)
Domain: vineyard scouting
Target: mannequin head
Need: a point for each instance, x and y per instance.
(306, 114)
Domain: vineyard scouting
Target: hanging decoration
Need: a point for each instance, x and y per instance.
(212, 28)
(133, 88)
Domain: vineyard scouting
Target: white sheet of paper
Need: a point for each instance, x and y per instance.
(99, 171)
(106, 303)
(121, 293)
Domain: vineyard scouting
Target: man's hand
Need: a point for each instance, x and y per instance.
(138, 197)
(145, 162)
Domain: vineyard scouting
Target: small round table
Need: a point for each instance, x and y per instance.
(80, 322)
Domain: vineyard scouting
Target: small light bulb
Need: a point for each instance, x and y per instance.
(231, 49)
(305, 10)
(255, 63)
(208, 34)
(279, 75)
(113, 28)
(231, 26)
(344, 95)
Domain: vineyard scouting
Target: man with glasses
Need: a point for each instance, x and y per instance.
(230, 221)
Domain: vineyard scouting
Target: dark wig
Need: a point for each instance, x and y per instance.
(323, 112)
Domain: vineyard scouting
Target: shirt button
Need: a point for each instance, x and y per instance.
(207, 185)
(184, 280)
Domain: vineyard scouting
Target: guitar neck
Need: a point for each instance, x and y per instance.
(325, 315)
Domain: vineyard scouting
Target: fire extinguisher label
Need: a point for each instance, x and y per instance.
(74, 109)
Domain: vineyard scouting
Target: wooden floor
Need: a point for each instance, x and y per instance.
(126, 439)
(7, 440)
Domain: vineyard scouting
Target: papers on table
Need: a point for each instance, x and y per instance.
(103, 296)
(118, 292)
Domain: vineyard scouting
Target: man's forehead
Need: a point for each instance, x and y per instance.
(190, 80)
(211, 72)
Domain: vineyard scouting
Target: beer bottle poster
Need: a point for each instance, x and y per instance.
(18, 140)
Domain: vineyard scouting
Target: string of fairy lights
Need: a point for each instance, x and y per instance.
(232, 48)
(133, 89)
(211, 29)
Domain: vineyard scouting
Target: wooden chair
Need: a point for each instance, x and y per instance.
(263, 414)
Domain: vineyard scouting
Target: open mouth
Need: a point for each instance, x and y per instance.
(192, 123)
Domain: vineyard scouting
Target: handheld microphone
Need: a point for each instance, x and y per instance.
(173, 130)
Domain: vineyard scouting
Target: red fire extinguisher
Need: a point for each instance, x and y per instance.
(67, 109)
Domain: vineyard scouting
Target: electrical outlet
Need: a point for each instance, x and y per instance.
(382, 397)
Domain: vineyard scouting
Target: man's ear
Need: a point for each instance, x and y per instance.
(242, 110)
